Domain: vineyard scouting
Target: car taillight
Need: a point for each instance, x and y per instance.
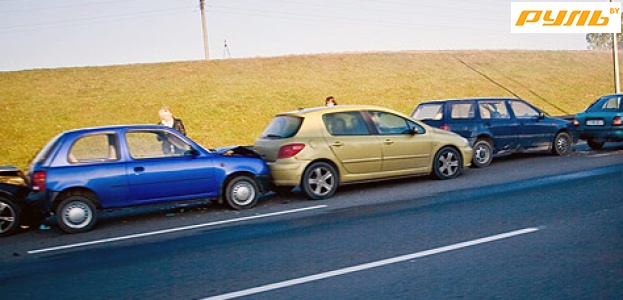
(445, 127)
(38, 181)
(290, 150)
(576, 122)
(617, 121)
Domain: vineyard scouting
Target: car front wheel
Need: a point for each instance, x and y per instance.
(10, 215)
(483, 154)
(562, 144)
(241, 192)
(320, 181)
(76, 213)
(447, 163)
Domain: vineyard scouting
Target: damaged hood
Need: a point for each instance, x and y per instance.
(246, 151)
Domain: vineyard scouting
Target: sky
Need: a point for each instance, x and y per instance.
(36, 34)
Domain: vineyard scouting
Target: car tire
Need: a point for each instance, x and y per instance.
(447, 163)
(320, 181)
(76, 214)
(10, 216)
(562, 144)
(241, 192)
(483, 154)
(595, 145)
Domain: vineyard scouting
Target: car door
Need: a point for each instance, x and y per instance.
(92, 161)
(350, 140)
(462, 118)
(534, 133)
(497, 120)
(160, 168)
(402, 148)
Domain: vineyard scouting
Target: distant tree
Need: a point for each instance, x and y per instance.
(601, 41)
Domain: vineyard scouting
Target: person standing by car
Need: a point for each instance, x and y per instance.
(330, 101)
(167, 119)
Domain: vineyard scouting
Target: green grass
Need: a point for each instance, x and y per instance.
(227, 102)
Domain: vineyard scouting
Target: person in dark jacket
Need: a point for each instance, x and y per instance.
(167, 119)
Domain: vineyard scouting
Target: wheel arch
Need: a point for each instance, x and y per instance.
(81, 191)
(328, 161)
(229, 178)
(455, 148)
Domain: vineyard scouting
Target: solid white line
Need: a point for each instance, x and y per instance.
(371, 265)
(164, 231)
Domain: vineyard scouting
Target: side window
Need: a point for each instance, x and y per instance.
(94, 148)
(154, 144)
(462, 110)
(493, 109)
(428, 112)
(612, 104)
(391, 124)
(523, 110)
(345, 123)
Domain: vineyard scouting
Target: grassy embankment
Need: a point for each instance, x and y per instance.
(227, 102)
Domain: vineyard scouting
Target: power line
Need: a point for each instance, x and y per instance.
(341, 19)
(103, 18)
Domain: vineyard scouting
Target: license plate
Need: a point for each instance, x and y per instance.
(594, 122)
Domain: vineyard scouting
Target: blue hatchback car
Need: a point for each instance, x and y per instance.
(498, 125)
(83, 170)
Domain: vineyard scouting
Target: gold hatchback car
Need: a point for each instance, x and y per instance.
(321, 148)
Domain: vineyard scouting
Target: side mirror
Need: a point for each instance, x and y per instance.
(192, 152)
(541, 115)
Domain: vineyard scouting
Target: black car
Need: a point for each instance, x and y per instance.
(14, 212)
(498, 125)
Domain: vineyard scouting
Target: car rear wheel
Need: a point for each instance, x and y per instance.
(320, 181)
(562, 144)
(10, 216)
(76, 213)
(595, 145)
(447, 163)
(241, 192)
(483, 154)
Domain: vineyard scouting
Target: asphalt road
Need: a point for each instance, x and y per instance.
(529, 226)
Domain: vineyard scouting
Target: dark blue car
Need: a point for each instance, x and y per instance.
(498, 125)
(81, 171)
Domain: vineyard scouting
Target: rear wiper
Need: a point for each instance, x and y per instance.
(273, 136)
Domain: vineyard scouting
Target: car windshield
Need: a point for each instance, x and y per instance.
(607, 104)
(282, 127)
(431, 111)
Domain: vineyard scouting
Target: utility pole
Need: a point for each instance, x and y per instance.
(615, 59)
(205, 29)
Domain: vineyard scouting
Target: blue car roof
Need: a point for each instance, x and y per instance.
(115, 127)
(470, 99)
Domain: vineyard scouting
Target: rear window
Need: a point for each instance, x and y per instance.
(282, 127)
(46, 151)
(432, 111)
(607, 104)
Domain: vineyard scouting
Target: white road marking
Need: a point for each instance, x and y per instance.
(371, 265)
(164, 231)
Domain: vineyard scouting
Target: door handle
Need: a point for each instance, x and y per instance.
(388, 142)
(337, 144)
(139, 169)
